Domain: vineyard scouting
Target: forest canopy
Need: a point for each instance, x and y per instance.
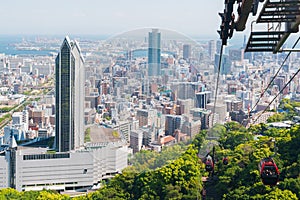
(177, 172)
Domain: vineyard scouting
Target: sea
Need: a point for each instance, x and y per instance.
(8, 43)
(7, 46)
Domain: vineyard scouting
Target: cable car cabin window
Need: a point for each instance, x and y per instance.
(209, 166)
(270, 181)
(269, 171)
(270, 175)
(225, 161)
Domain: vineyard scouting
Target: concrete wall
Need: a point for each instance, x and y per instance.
(56, 173)
(4, 172)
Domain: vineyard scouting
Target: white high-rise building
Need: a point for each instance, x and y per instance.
(212, 47)
(17, 118)
(21, 119)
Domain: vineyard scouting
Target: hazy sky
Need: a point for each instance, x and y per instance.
(109, 17)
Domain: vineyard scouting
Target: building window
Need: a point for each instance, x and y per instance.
(45, 156)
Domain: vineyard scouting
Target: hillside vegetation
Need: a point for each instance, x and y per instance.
(176, 172)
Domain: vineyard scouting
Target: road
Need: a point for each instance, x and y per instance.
(8, 120)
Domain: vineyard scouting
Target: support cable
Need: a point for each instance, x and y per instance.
(218, 77)
(285, 59)
(277, 95)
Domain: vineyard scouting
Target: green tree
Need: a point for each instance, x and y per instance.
(172, 192)
(281, 194)
(46, 195)
(234, 126)
(9, 193)
(277, 117)
(108, 193)
(258, 129)
(292, 184)
(199, 139)
(234, 138)
(87, 135)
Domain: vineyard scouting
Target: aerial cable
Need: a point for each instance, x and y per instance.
(285, 59)
(277, 95)
(218, 77)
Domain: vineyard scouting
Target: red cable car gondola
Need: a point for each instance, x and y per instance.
(225, 161)
(209, 164)
(269, 172)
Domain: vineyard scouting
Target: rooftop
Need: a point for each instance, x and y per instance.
(101, 135)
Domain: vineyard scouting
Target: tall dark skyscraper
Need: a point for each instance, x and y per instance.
(225, 64)
(154, 53)
(218, 46)
(69, 97)
(186, 51)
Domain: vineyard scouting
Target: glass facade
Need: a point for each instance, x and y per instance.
(65, 79)
(68, 125)
(45, 156)
(154, 53)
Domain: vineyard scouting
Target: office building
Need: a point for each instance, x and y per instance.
(202, 99)
(238, 116)
(136, 140)
(186, 90)
(146, 116)
(191, 127)
(18, 87)
(206, 117)
(219, 109)
(154, 53)
(232, 88)
(69, 97)
(17, 118)
(218, 46)
(185, 105)
(212, 47)
(35, 169)
(124, 127)
(280, 82)
(173, 122)
(225, 64)
(234, 105)
(186, 51)
(37, 114)
(236, 54)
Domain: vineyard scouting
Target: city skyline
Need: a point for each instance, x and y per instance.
(145, 99)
